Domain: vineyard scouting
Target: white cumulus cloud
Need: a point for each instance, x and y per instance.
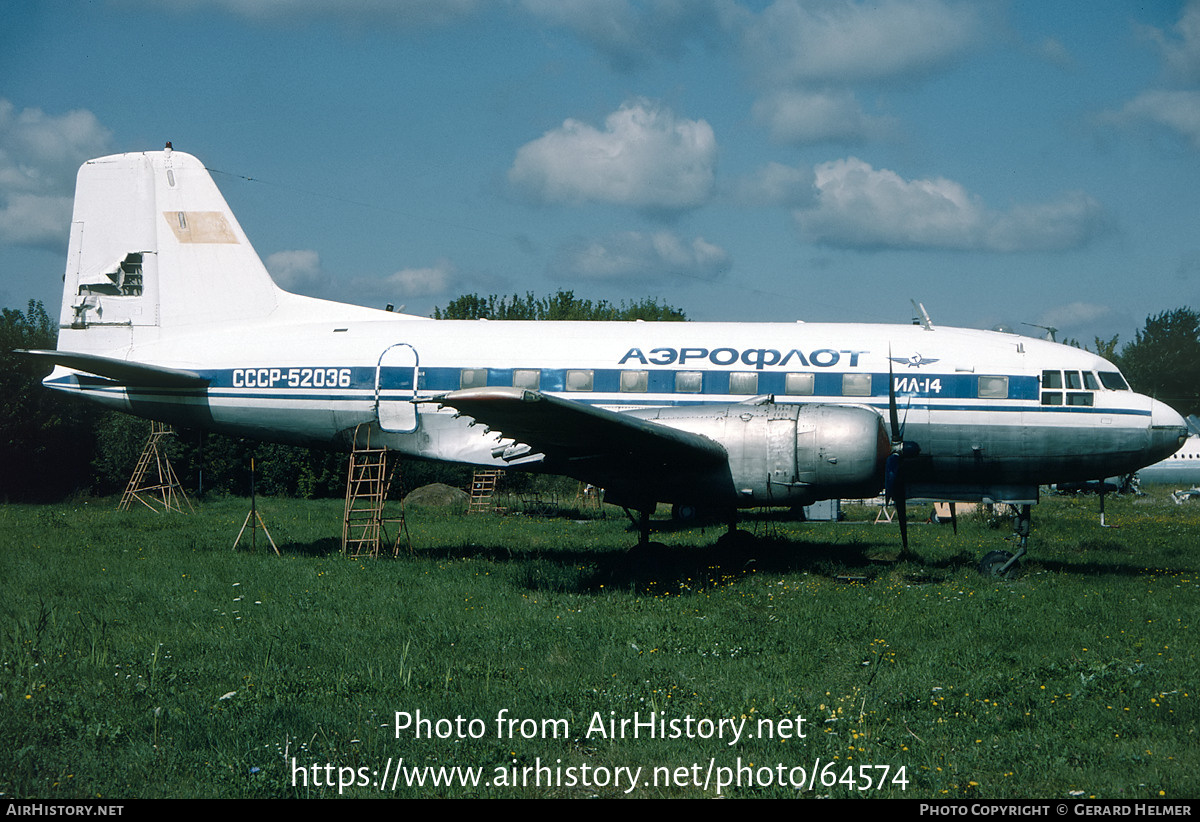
(821, 41)
(1177, 111)
(401, 13)
(420, 282)
(1073, 315)
(296, 270)
(1181, 51)
(796, 116)
(862, 207)
(645, 157)
(642, 256)
(39, 156)
(633, 34)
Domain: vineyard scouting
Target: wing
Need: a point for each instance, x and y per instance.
(123, 371)
(606, 448)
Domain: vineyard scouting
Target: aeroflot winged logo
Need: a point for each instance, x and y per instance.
(915, 361)
(758, 358)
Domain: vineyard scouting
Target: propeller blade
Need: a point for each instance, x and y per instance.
(894, 491)
(954, 519)
(893, 472)
(892, 415)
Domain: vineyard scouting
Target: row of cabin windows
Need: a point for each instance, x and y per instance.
(1076, 387)
(686, 382)
(692, 382)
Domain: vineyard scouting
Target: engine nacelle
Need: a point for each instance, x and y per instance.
(785, 454)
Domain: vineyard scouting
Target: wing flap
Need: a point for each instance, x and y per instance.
(573, 433)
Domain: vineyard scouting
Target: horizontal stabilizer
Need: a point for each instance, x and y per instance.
(123, 371)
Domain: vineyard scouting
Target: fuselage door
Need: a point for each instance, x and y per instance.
(396, 388)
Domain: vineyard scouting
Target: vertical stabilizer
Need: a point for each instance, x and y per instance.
(154, 247)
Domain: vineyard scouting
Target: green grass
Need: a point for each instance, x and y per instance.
(142, 657)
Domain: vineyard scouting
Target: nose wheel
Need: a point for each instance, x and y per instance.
(998, 565)
(1002, 564)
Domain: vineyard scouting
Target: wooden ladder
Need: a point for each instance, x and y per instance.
(368, 482)
(153, 482)
(483, 487)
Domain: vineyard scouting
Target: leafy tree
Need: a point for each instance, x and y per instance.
(1107, 348)
(46, 439)
(563, 305)
(119, 442)
(1163, 360)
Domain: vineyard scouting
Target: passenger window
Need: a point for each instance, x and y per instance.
(993, 388)
(743, 382)
(635, 381)
(579, 380)
(689, 382)
(472, 378)
(856, 385)
(530, 378)
(798, 384)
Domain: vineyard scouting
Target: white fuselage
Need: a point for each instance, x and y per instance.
(169, 313)
(995, 414)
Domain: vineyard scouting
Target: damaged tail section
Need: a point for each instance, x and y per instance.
(154, 246)
(162, 290)
(157, 260)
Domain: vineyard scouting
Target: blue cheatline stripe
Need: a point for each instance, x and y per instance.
(608, 381)
(358, 393)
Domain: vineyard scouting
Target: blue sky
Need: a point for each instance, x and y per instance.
(1001, 162)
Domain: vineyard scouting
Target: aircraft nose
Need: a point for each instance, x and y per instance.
(1167, 429)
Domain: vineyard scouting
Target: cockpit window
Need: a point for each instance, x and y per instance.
(1113, 381)
(1078, 385)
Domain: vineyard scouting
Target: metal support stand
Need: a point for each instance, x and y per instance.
(254, 520)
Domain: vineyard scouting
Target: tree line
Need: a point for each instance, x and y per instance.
(53, 446)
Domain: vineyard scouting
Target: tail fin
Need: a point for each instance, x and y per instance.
(155, 247)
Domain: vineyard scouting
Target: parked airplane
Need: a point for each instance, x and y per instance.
(1182, 467)
(168, 313)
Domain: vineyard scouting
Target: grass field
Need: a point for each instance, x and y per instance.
(142, 657)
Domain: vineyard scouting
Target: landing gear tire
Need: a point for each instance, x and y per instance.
(992, 562)
(685, 514)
